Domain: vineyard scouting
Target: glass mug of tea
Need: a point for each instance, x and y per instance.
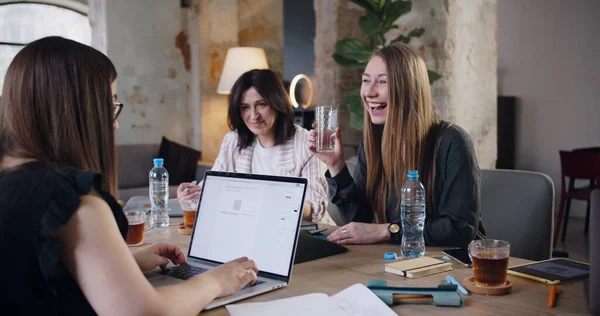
(189, 208)
(137, 227)
(327, 122)
(490, 262)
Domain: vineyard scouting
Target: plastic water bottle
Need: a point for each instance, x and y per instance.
(412, 207)
(159, 194)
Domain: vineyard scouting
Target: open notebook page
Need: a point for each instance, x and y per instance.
(356, 300)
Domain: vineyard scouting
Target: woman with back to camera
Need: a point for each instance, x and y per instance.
(264, 140)
(402, 132)
(59, 218)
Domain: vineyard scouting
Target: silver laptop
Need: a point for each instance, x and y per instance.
(239, 215)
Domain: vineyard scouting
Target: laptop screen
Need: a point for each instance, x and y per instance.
(248, 215)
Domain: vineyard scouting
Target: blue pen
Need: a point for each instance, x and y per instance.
(452, 280)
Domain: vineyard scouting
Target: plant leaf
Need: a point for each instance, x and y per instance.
(433, 76)
(352, 99)
(357, 121)
(347, 63)
(393, 11)
(379, 5)
(418, 32)
(401, 38)
(355, 107)
(375, 6)
(353, 49)
(363, 3)
(369, 24)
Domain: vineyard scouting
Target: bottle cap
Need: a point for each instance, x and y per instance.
(414, 174)
(158, 161)
(390, 256)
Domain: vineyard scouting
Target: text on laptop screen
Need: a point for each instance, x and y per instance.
(248, 217)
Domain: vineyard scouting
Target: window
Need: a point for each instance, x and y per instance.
(24, 22)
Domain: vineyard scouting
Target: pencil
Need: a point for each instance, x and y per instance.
(552, 296)
(412, 299)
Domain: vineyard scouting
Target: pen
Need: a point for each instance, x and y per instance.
(452, 280)
(552, 296)
(193, 183)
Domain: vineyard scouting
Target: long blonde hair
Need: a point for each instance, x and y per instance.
(406, 141)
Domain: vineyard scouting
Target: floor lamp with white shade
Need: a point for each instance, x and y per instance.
(238, 61)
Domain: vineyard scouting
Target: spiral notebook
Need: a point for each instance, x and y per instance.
(418, 267)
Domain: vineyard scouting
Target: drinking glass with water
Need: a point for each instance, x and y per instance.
(326, 118)
(412, 210)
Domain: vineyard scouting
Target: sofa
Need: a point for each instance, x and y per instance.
(134, 163)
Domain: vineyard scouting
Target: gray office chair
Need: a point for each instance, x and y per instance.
(593, 286)
(518, 207)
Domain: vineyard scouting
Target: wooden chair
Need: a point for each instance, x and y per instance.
(577, 164)
(592, 184)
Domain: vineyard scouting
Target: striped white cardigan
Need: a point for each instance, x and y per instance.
(294, 159)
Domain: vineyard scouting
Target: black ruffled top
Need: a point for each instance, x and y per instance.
(34, 201)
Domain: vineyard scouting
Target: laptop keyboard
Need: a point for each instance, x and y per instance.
(186, 271)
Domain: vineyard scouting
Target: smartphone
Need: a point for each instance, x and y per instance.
(459, 255)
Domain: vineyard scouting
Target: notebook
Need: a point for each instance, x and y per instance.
(354, 300)
(418, 267)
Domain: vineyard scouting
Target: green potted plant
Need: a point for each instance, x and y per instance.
(354, 53)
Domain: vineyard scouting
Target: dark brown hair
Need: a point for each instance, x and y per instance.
(57, 108)
(408, 139)
(270, 88)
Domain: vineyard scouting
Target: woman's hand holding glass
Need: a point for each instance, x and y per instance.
(334, 160)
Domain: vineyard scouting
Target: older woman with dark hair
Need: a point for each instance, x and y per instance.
(264, 140)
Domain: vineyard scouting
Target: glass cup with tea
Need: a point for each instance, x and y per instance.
(189, 208)
(490, 262)
(137, 227)
(327, 122)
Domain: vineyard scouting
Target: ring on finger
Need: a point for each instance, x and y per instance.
(344, 230)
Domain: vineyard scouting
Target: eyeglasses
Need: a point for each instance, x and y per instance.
(118, 107)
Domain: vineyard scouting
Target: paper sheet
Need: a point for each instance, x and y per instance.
(356, 300)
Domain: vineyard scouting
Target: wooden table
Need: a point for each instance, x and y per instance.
(363, 262)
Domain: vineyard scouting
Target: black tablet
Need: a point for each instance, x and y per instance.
(552, 271)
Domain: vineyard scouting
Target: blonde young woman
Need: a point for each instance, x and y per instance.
(402, 132)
